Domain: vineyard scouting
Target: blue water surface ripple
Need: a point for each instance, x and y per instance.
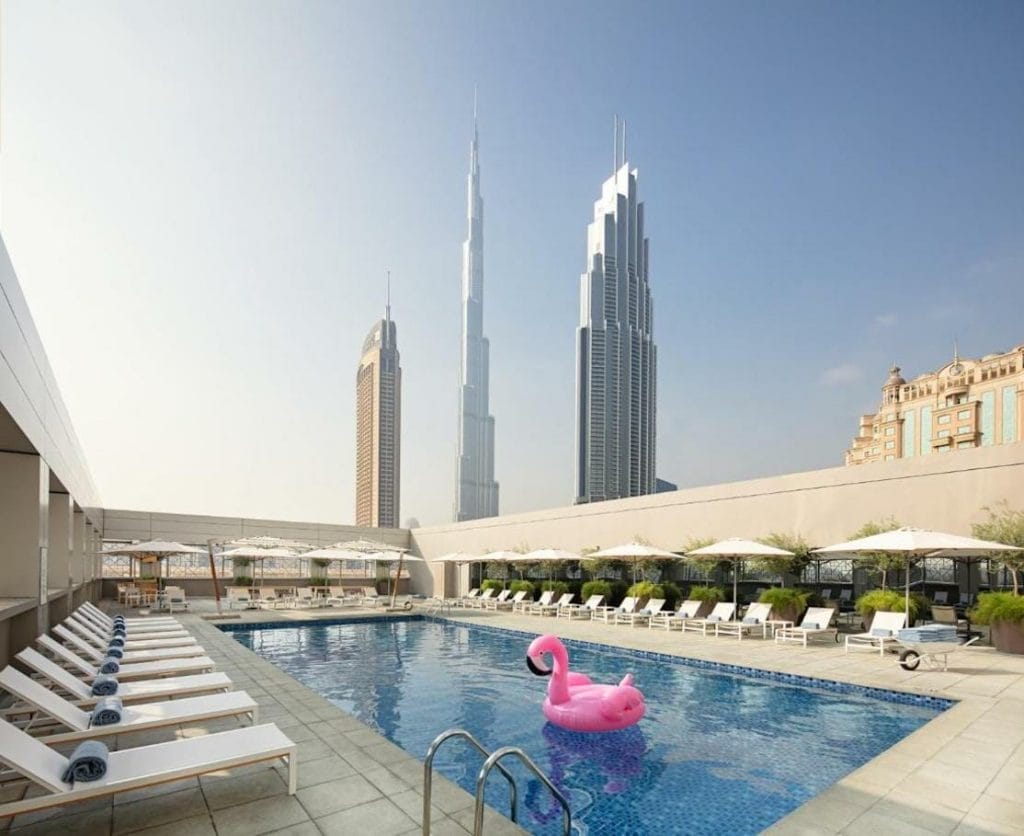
(716, 752)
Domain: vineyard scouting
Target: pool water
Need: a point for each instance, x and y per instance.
(715, 753)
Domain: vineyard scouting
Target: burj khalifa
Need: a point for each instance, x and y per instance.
(476, 492)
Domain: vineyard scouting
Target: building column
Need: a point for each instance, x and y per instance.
(61, 546)
(78, 567)
(24, 534)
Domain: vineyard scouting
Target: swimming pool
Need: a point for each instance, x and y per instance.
(716, 752)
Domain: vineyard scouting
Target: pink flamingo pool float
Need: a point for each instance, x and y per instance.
(576, 703)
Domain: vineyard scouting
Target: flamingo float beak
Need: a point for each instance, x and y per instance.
(537, 665)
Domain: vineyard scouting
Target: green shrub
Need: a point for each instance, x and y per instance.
(618, 593)
(920, 605)
(643, 591)
(518, 586)
(998, 606)
(491, 583)
(576, 588)
(596, 588)
(558, 587)
(886, 600)
(714, 594)
(241, 580)
(318, 582)
(673, 595)
(781, 598)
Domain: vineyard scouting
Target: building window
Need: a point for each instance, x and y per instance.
(890, 445)
(874, 451)
(963, 414)
(926, 430)
(961, 444)
(964, 430)
(943, 434)
(908, 434)
(890, 431)
(1009, 414)
(988, 418)
(890, 458)
(943, 419)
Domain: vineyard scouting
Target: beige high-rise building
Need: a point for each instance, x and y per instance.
(378, 427)
(965, 404)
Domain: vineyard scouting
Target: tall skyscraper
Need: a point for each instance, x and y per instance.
(379, 426)
(616, 360)
(476, 492)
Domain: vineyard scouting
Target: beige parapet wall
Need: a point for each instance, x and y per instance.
(944, 491)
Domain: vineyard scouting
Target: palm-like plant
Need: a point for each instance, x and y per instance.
(1004, 525)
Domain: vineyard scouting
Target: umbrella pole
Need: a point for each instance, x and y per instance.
(906, 600)
(213, 574)
(398, 574)
(735, 586)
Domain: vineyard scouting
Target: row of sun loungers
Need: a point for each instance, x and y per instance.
(301, 598)
(98, 677)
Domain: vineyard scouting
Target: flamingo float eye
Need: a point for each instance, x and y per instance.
(536, 665)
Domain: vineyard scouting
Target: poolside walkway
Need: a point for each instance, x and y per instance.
(961, 773)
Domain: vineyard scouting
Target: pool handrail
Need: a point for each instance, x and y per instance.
(495, 761)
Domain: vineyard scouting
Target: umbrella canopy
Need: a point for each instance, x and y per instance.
(547, 556)
(502, 556)
(917, 542)
(332, 553)
(157, 548)
(265, 542)
(633, 551)
(259, 554)
(369, 547)
(458, 558)
(735, 549)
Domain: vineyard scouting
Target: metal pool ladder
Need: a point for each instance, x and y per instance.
(493, 760)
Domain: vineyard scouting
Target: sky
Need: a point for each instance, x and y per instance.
(201, 200)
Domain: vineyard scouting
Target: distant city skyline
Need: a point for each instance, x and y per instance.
(476, 491)
(195, 197)
(616, 358)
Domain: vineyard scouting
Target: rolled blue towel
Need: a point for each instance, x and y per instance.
(107, 712)
(714, 618)
(115, 651)
(881, 633)
(119, 631)
(110, 665)
(87, 763)
(117, 641)
(751, 620)
(119, 620)
(104, 686)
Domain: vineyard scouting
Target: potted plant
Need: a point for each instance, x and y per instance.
(885, 600)
(518, 586)
(788, 604)
(643, 591)
(597, 588)
(1004, 613)
(708, 597)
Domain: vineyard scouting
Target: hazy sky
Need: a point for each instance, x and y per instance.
(201, 200)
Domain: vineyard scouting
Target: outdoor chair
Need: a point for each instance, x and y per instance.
(477, 602)
(826, 593)
(948, 615)
(174, 596)
(97, 638)
(340, 596)
(510, 603)
(584, 610)
(643, 616)
(469, 596)
(546, 597)
(142, 767)
(881, 634)
(723, 611)
(38, 699)
(150, 623)
(755, 619)
(240, 596)
(371, 598)
(500, 598)
(136, 670)
(687, 610)
(609, 614)
(551, 608)
(139, 631)
(128, 692)
(92, 652)
(817, 621)
(525, 603)
(941, 597)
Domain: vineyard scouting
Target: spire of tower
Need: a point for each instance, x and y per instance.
(615, 144)
(623, 142)
(387, 305)
(956, 352)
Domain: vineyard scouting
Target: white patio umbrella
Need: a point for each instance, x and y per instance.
(158, 549)
(917, 542)
(332, 554)
(735, 549)
(634, 551)
(548, 556)
(259, 554)
(374, 550)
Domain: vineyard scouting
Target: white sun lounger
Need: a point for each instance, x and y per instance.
(642, 616)
(545, 600)
(723, 611)
(756, 619)
(131, 769)
(478, 601)
(552, 607)
(92, 652)
(95, 636)
(524, 605)
(469, 596)
(139, 670)
(584, 610)
(146, 624)
(816, 622)
(151, 715)
(151, 689)
(609, 614)
(509, 603)
(500, 598)
(136, 633)
(883, 632)
(686, 611)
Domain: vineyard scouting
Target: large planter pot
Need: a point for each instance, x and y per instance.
(791, 613)
(1008, 636)
(705, 609)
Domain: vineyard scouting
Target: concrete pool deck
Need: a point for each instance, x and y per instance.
(961, 773)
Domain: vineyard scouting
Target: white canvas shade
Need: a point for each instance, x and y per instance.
(736, 549)
(917, 542)
(635, 552)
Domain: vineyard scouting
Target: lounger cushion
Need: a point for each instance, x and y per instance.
(87, 763)
(751, 620)
(881, 633)
(714, 618)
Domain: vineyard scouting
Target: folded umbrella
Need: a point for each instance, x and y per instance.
(104, 686)
(107, 712)
(87, 763)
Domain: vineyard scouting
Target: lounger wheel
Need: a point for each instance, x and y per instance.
(909, 660)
